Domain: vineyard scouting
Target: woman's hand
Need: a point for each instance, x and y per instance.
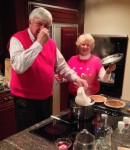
(111, 68)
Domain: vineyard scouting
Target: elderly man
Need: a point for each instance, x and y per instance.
(35, 58)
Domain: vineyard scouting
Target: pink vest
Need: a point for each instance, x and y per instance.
(37, 81)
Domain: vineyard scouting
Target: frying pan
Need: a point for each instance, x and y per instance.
(112, 59)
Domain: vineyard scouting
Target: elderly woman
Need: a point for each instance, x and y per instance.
(88, 66)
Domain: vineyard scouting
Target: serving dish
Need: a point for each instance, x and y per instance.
(113, 103)
(112, 59)
(98, 98)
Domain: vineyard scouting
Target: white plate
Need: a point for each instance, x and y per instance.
(112, 59)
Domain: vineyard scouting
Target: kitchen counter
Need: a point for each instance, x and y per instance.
(27, 141)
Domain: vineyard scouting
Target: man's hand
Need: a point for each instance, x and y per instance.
(82, 83)
(60, 79)
(43, 36)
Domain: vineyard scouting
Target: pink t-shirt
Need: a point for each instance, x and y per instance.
(87, 69)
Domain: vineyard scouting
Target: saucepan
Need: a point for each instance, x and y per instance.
(112, 59)
(82, 112)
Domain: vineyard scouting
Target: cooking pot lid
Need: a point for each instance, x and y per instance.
(112, 59)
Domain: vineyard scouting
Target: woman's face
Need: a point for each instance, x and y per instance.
(85, 48)
(37, 24)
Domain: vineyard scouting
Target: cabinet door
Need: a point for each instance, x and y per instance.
(7, 122)
(68, 49)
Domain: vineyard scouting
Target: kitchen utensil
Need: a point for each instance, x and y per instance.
(84, 141)
(82, 112)
(111, 59)
(57, 118)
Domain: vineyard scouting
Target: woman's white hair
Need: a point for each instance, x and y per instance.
(85, 38)
(41, 13)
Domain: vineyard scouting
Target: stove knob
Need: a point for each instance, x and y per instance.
(114, 114)
(107, 112)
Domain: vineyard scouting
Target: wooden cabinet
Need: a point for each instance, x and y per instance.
(7, 115)
(68, 49)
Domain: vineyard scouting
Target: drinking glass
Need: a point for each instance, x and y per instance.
(63, 143)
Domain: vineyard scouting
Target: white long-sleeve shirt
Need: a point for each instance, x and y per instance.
(22, 59)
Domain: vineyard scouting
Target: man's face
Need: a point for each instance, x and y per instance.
(37, 24)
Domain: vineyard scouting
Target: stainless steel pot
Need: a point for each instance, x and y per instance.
(82, 112)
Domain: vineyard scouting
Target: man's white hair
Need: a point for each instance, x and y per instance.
(41, 13)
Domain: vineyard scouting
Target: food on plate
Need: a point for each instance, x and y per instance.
(98, 98)
(114, 103)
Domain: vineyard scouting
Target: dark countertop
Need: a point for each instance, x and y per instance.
(4, 90)
(27, 141)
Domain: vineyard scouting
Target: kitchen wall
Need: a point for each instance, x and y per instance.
(110, 17)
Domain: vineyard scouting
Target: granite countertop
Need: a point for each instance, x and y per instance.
(24, 140)
(4, 90)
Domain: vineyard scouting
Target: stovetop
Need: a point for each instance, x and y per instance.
(55, 129)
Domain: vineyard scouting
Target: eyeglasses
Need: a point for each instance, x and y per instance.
(40, 24)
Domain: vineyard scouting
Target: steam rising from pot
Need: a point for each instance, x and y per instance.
(103, 47)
